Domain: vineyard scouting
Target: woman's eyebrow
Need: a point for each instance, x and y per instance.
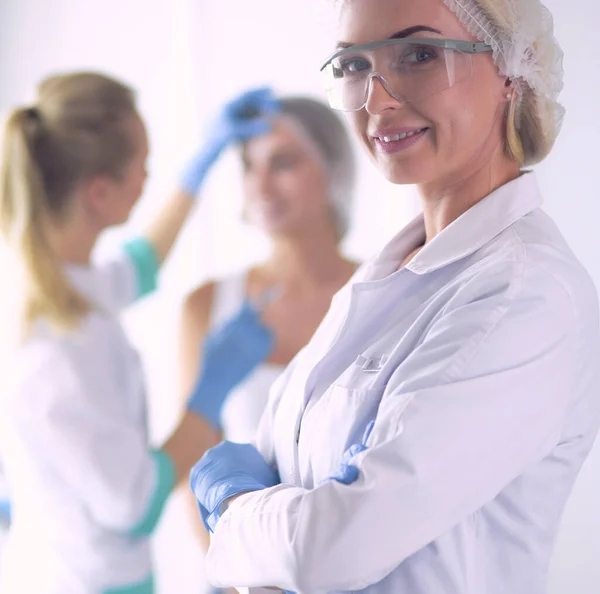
(398, 35)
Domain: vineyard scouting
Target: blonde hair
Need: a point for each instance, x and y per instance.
(76, 130)
(531, 125)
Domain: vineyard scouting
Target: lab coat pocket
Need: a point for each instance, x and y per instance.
(338, 421)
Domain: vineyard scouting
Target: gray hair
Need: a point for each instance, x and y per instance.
(327, 132)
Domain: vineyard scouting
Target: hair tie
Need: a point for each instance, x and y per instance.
(33, 113)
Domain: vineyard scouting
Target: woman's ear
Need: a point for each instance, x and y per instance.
(97, 192)
(509, 91)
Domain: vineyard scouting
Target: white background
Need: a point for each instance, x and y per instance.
(185, 57)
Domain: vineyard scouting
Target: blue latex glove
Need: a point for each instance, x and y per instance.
(239, 120)
(5, 511)
(347, 473)
(229, 355)
(225, 471)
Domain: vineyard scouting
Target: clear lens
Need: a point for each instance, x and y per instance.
(410, 72)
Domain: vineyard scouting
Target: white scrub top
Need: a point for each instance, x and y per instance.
(479, 362)
(75, 448)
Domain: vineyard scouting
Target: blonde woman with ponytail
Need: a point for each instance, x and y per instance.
(87, 489)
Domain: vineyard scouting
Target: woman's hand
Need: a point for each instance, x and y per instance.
(230, 354)
(239, 120)
(225, 471)
(347, 473)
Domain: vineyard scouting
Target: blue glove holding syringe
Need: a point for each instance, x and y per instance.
(230, 354)
(239, 120)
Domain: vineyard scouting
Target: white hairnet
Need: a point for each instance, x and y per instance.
(325, 130)
(521, 34)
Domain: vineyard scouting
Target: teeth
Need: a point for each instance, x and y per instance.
(397, 137)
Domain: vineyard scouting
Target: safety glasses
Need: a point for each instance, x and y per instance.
(410, 69)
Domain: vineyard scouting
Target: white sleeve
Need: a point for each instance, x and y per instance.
(71, 412)
(481, 399)
(129, 274)
(117, 279)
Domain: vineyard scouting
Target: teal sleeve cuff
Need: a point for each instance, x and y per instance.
(146, 263)
(146, 587)
(165, 481)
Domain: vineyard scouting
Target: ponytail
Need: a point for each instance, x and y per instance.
(24, 213)
(77, 131)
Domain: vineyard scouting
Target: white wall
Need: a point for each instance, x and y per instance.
(570, 183)
(185, 57)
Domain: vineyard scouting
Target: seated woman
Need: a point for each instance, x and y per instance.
(298, 183)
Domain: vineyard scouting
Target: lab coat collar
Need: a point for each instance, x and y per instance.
(467, 234)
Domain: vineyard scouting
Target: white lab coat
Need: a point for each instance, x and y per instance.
(75, 450)
(479, 362)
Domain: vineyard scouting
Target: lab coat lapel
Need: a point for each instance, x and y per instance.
(354, 311)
